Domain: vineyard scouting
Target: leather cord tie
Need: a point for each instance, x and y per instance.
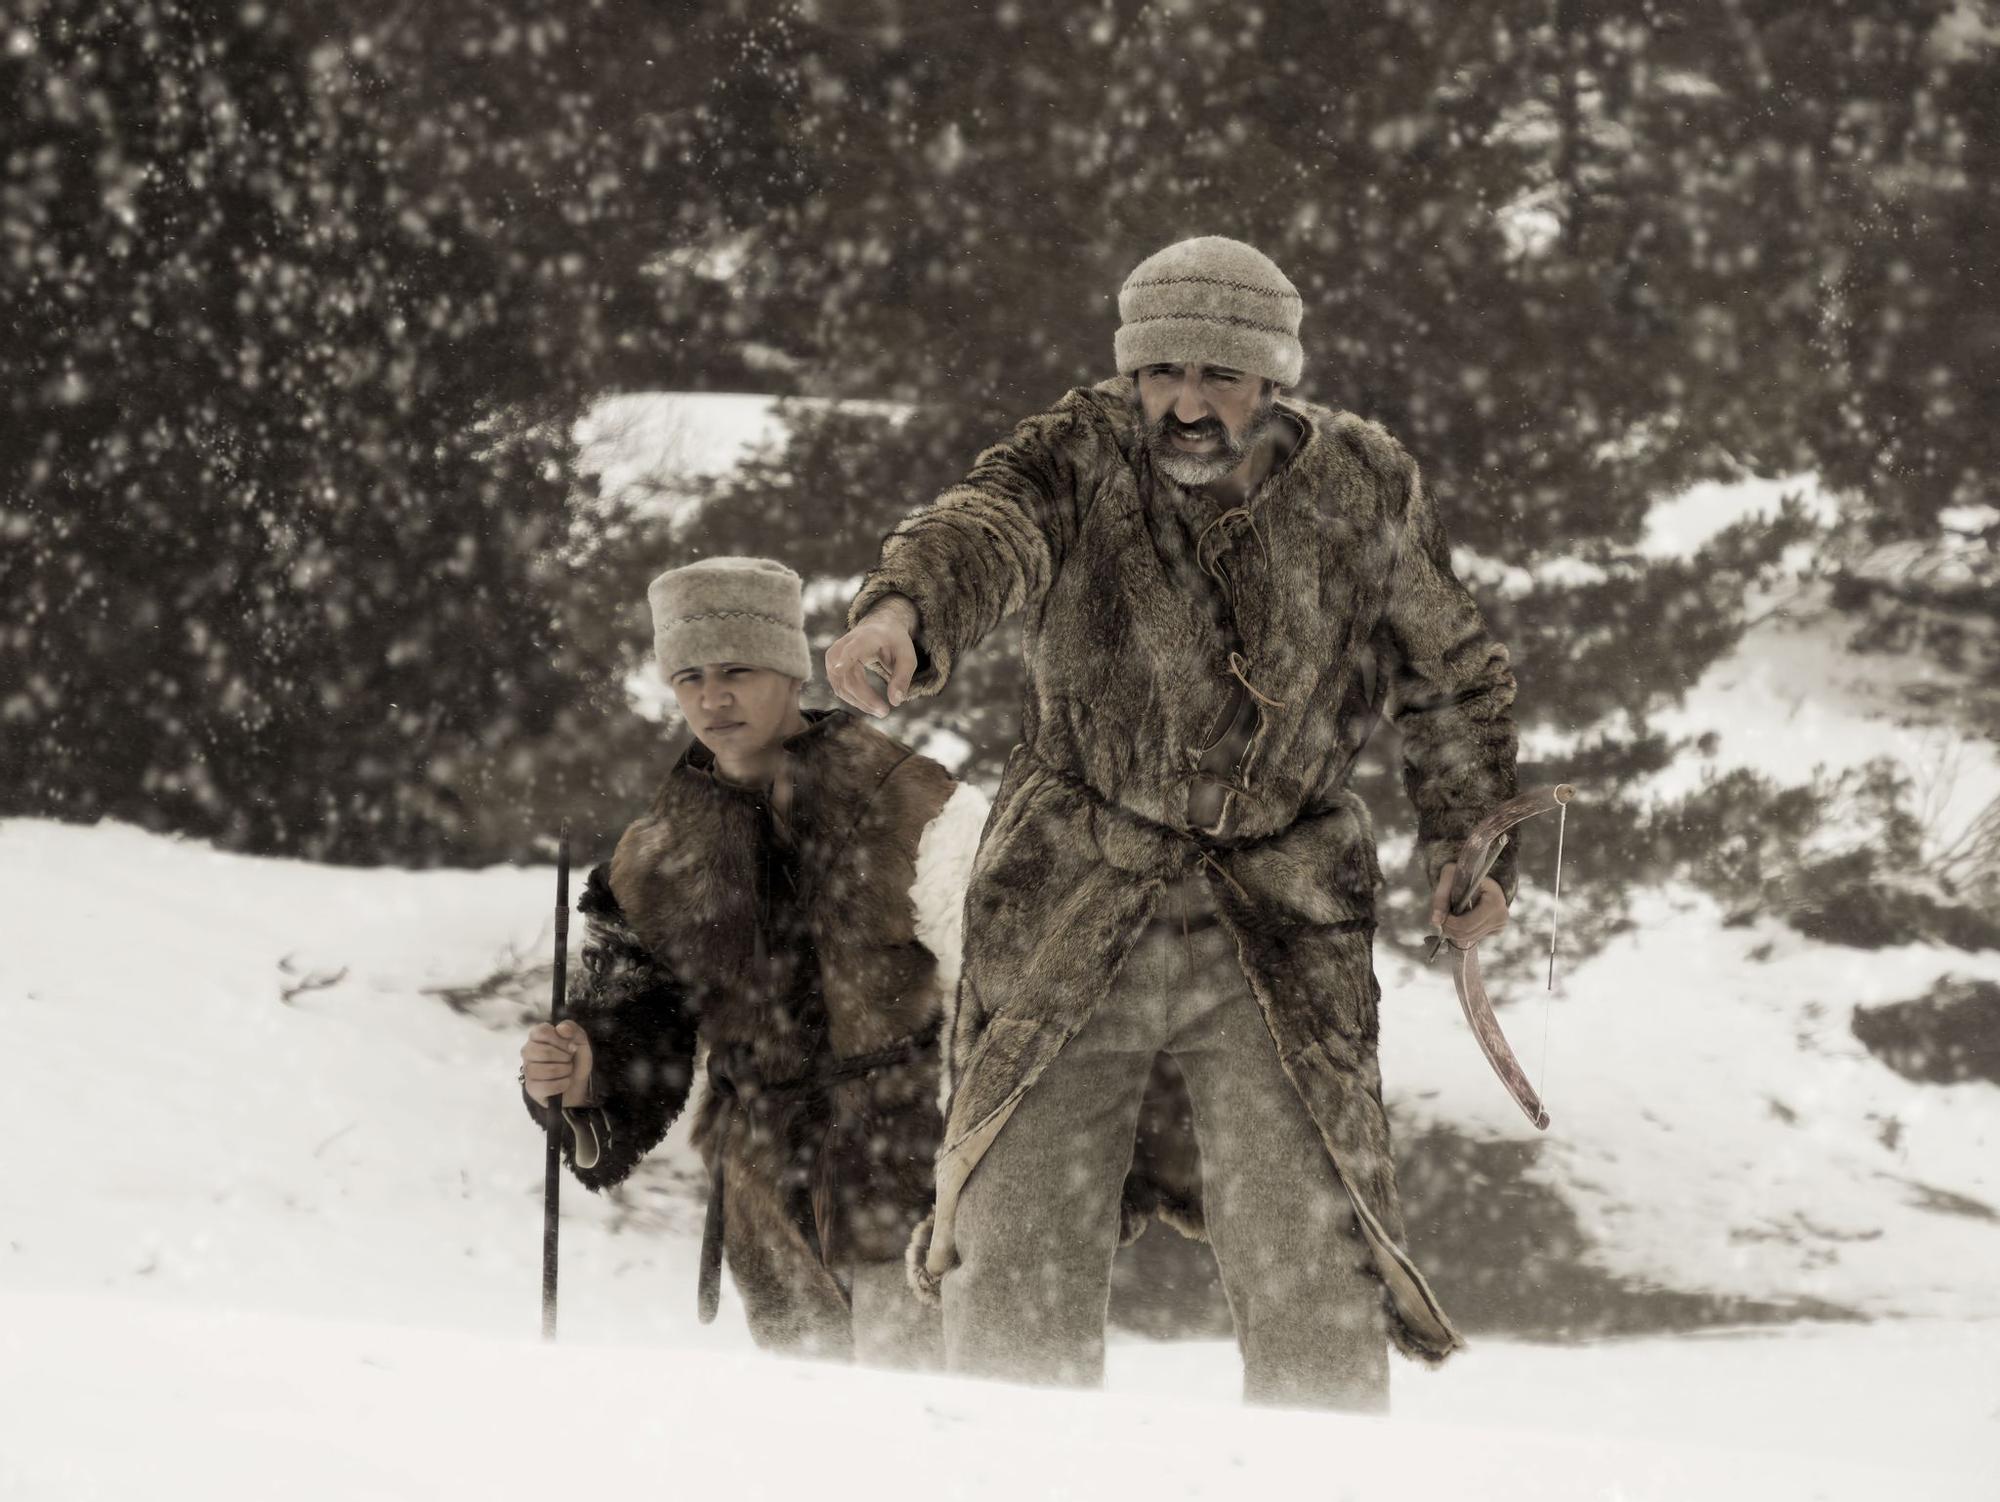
(1237, 663)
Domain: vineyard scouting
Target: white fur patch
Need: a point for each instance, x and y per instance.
(945, 854)
(698, 1088)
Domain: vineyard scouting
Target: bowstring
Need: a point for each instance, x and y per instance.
(1555, 924)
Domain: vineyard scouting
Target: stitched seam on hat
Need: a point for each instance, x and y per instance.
(714, 615)
(1215, 281)
(1241, 323)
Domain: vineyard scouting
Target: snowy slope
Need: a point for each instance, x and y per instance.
(1716, 1124)
(340, 1195)
(358, 1151)
(1791, 699)
(654, 450)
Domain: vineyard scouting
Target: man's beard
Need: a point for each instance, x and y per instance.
(1192, 470)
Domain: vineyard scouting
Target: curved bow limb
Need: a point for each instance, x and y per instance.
(1475, 859)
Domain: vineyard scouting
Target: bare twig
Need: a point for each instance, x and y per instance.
(317, 981)
(329, 1142)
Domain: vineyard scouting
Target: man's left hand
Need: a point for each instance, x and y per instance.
(1486, 916)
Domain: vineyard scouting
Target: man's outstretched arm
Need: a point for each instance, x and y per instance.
(987, 547)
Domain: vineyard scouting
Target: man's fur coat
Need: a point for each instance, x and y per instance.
(1347, 608)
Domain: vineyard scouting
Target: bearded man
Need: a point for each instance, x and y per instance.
(1222, 589)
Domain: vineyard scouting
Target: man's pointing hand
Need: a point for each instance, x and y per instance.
(884, 642)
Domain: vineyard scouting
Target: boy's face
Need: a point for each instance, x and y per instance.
(737, 712)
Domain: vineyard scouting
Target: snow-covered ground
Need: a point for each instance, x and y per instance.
(278, 1216)
(113, 1396)
(270, 1220)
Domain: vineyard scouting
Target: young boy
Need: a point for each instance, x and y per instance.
(788, 911)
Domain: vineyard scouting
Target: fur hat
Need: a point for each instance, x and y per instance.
(1211, 301)
(747, 610)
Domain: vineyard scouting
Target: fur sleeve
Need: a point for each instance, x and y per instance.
(642, 1043)
(945, 854)
(991, 544)
(1450, 688)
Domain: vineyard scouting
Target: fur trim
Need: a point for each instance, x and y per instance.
(1412, 1344)
(922, 1284)
(945, 853)
(642, 1039)
(697, 1101)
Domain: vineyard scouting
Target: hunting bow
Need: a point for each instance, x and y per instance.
(1475, 858)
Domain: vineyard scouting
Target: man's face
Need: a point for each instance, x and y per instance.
(738, 712)
(1201, 420)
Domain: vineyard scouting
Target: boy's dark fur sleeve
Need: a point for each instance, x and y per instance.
(642, 1041)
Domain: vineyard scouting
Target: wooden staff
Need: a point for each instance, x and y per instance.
(552, 1162)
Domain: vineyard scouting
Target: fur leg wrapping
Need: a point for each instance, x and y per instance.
(1184, 1215)
(1145, 1199)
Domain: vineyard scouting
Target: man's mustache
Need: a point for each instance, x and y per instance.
(1208, 427)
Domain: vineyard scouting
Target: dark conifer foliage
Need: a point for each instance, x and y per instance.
(301, 305)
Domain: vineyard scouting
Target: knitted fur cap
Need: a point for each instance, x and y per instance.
(747, 610)
(1211, 301)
